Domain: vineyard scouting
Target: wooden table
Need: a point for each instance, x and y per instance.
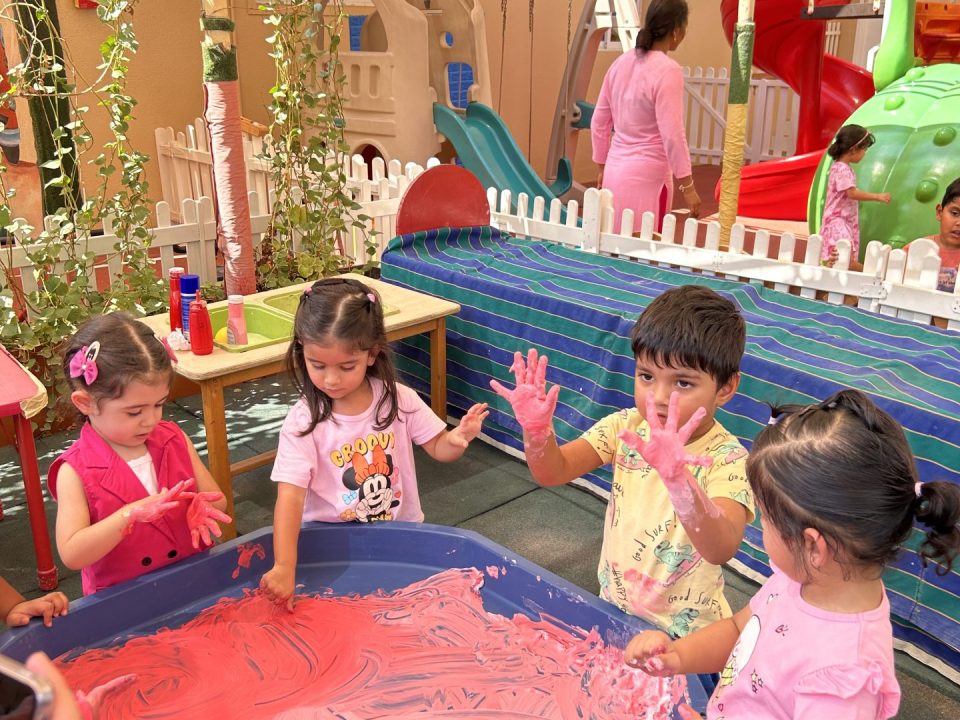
(22, 397)
(418, 313)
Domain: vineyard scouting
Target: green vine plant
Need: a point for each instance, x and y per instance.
(34, 324)
(313, 211)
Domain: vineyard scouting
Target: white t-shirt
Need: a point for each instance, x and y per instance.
(351, 471)
(147, 475)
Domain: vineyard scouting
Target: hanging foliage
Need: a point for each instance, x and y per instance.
(313, 210)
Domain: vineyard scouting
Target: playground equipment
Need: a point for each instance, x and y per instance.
(916, 120)
(792, 48)
(485, 146)
(401, 70)
(573, 112)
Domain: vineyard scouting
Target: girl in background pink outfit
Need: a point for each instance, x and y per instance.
(841, 211)
(123, 489)
(641, 103)
(837, 488)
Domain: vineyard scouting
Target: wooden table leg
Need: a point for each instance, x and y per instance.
(218, 454)
(46, 570)
(438, 369)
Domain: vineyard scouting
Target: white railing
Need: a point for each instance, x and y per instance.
(186, 165)
(832, 40)
(772, 131)
(379, 202)
(892, 283)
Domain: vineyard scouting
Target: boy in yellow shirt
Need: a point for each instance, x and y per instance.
(680, 499)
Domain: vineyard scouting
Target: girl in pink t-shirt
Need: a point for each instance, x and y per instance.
(346, 446)
(841, 210)
(837, 488)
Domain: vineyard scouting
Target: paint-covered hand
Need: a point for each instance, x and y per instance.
(532, 404)
(652, 651)
(278, 584)
(89, 703)
(47, 607)
(470, 425)
(664, 451)
(202, 518)
(153, 507)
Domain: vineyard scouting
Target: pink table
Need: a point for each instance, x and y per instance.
(18, 393)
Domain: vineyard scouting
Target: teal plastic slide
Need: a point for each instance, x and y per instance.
(487, 149)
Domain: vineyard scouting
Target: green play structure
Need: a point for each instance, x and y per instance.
(915, 117)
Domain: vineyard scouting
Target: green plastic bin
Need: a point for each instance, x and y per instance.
(264, 327)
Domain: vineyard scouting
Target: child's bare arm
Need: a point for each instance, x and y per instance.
(279, 583)
(533, 405)
(448, 445)
(703, 651)
(9, 597)
(204, 480)
(864, 196)
(716, 525)
(552, 464)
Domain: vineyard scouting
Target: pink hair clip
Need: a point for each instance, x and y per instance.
(371, 297)
(84, 362)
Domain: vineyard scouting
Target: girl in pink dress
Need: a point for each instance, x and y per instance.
(642, 101)
(841, 219)
(837, 488)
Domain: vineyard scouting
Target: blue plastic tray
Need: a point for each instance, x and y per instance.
(349, 558)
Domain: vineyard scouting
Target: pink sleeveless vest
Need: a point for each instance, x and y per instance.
(109, 484)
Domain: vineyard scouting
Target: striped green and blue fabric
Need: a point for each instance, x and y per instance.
(578, 309)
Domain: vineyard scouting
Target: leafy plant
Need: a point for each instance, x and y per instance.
(64, 263)
(313, 209)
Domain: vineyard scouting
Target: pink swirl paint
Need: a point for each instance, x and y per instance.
(428, 647)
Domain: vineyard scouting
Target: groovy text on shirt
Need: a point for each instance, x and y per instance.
(344, 454)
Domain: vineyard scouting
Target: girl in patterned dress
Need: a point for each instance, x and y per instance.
(841, 210)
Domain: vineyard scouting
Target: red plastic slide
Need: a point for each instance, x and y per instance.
(830, 89)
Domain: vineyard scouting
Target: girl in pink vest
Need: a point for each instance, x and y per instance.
(124, 490)
(838, 493)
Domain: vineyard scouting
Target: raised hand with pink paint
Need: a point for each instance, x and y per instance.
(153, 507)
(203, 518)
(533, 405)
(665, 453)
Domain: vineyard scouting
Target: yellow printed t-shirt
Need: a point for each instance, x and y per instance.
(648, 565)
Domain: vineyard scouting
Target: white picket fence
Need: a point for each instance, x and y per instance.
(772, 128)
(196, 232)
(186, 165)
(892, 283)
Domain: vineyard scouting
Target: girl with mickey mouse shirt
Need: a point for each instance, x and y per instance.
(346, 446)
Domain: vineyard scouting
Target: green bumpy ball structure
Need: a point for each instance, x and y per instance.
(916, 121)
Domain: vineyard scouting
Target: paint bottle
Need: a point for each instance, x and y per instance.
(201, 334)
(236, 322)
(189, 285)
(176, 312)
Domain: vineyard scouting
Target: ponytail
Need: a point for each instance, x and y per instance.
(644, 41)
(938, 508)
(663, 17)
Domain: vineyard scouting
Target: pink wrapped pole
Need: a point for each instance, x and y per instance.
(222, 115)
